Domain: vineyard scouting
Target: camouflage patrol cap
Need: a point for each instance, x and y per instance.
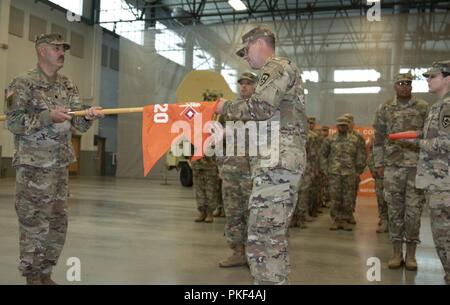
(248, 76)
(438, 67)
(251, 36)
(54, 38)
(311, 120)
(325, 128)
(403, 77)
(342, 120)
(349, 117)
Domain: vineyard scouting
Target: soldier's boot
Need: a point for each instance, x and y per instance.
(216, 212)
(396, 260)
(410, 257)
(201, 216)
(351, 220)
(47, 280)
(346, 226)
(34, 280)
(383, 227)
(209, 217)
(238, 258)
(222, 212)
(334, 226)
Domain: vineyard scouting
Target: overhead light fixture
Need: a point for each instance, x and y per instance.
(237, 5)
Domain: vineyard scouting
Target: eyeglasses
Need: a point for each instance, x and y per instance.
(404, 83)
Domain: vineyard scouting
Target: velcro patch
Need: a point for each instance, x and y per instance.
(445, 121)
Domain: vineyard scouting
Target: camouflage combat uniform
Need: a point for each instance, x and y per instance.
(43, 151)
(399, 160)
(340, 160)
(278, 98)
(236, 189)
(314, 189)
(305, 188)
(433, 175)
(382, 205)
(206, 184)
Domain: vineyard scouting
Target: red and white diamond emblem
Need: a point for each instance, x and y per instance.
(189, 113)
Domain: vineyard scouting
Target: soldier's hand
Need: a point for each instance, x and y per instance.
(59, 115)
(380, 172)
(93, 113)
(219, 109)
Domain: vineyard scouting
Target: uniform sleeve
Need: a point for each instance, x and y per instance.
(265, 101)
(362, 152)
(21, 117)
(360, 160)
(323, 156)
(441, 143)
(79, 122)
(380, 131)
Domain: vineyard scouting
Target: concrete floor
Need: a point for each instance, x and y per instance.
(136, 231)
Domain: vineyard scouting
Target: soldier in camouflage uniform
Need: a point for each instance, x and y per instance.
(396, 162)
(362, 147)
(237, 186)
(433, 168)
(301, 214)
(383, 223)
(314, 200)
(206, 186)
(325, 195)
(37, 105)
(278, 101)
(340, 160)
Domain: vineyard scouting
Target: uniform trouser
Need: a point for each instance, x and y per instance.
(404, 202)
(41, 207)
(303, 196)
(357, 181)
(272, 204)
(220, 204)
(314, 195)
(206, 185)
(439, 203)
(236, 189)
(382, 206)
(324, 189)
(341, 189)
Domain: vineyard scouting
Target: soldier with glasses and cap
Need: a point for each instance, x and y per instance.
(279, 104)
(37, 106)
(396, 163)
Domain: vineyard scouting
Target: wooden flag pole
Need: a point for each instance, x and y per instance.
(104, 111)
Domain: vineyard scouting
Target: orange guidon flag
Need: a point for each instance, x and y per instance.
(163, 123)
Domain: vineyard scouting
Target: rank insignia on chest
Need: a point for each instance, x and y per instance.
(264, 79)
(446, 121)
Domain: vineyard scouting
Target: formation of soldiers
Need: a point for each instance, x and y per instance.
(261, 199)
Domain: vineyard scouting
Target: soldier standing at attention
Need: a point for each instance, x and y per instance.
(383, 223)
(279, 102)
(237, 185)
(433, 169)
(206, 187)
(315, 139)
(340, 160)
(396, 162)
(37, 114)
(361, 146)
(325, 195)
